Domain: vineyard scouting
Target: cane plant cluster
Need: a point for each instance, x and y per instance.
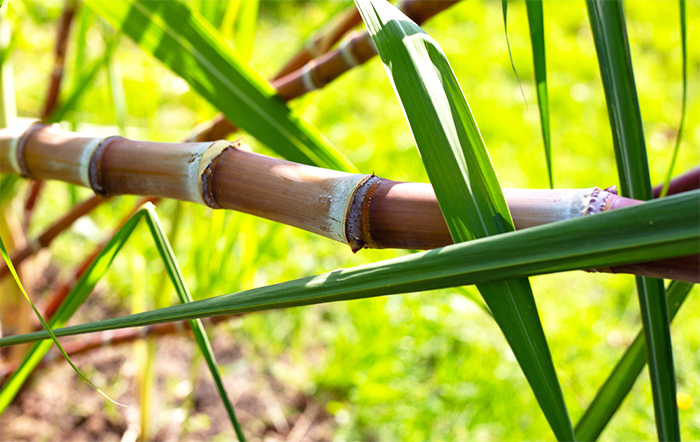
(561, 218)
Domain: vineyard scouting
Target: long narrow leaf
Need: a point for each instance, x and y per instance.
(684, 103)
(620, 382)
(178, 280)
(504, 5)
(536, 22)
(75, 298)
(70, 102)
(610, 35)
(465, 183)
(186, 43)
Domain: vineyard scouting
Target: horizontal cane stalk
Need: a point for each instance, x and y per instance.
(357, 210)
(315, 73)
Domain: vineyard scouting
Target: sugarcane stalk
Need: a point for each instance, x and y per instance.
(64, 26)
(354, 209)
(326, 66)
(323, 40)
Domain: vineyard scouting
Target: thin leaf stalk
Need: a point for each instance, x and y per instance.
(684, 102)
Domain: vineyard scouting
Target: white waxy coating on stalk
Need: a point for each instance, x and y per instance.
(192, 172)
(12, 154)
(309, 83)
(347, 54)
(84, 161)
(341, 195)
(533, 207)
(205, 160)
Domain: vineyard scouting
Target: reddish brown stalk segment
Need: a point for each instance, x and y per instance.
(64, 26)
(315, 73)
(690, 180)
(320, 44)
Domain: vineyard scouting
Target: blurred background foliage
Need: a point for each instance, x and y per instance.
(413, 367)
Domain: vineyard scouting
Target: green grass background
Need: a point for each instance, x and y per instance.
(420, 366)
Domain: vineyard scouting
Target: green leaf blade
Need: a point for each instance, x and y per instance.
(610, 36)
(178, 280)
(660, 229)
(536, 22)
(684, 102)
(75, 299)
(622, 378)
(186, 43)
(466, 185)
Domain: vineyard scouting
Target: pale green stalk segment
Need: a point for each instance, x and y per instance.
(192, 48)
(75, 299)
(610, 35)
(178, 280)
(684, 103)
(7, 394)
(660, 229)
(536, 22)
(465, 183)
(622, 378)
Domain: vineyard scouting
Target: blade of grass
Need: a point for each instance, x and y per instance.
(70, 102)
(658, 229)
(116, 87)
(465, 183)
(3, 396)
(679, 137)
(610, 35)
(178, 280)
(143, 350)
(504, 5)
(75, 299)
(622, 378)
(187, 44)
(244, 34)
(7, 187)
(536, 22)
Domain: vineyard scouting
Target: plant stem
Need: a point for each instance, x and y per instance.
(358, 210)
